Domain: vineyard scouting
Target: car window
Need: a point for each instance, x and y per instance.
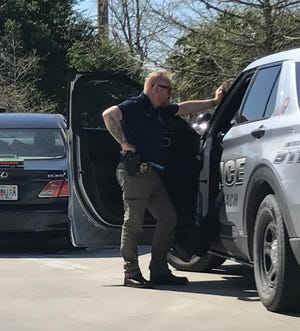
(260, 100)
(271, 102)
(298, 81)
(94, 95)
(31, 143)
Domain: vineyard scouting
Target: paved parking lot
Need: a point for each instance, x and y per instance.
(82, 290)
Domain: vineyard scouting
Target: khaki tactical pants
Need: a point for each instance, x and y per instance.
(143, 191)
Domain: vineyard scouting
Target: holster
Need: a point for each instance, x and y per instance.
(131, 162)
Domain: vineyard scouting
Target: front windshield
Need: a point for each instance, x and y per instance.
(31, 143)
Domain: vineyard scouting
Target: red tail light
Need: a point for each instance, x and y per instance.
(55, 188)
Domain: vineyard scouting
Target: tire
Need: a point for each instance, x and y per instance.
(195, 263)
(275, 268)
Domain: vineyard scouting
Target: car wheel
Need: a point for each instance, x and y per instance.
(195, 263)
(275, 268)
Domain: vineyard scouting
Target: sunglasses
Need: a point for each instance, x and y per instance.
(165, 87)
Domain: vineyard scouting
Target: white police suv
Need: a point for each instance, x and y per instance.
(235, 185)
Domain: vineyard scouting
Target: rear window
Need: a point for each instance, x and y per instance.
(31, 143)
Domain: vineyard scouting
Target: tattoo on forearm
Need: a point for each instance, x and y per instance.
(114, 127)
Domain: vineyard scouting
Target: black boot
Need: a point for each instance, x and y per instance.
(137, 281)
(168, 279)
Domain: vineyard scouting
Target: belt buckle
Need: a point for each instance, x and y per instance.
(144, 167)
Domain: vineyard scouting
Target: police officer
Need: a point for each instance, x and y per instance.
(136, 126)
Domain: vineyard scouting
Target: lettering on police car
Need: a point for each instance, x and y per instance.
(290, 153)
(231, 199)
(233, 171)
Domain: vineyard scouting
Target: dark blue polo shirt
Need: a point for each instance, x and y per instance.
(142, 126)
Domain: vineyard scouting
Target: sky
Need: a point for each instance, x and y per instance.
(89, 7)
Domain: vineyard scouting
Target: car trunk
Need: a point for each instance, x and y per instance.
(22, 187)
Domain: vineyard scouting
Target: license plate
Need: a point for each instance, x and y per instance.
(8, 192)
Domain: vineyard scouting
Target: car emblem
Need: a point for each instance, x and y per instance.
(3, 174)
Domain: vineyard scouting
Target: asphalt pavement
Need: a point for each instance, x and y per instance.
(81, 290)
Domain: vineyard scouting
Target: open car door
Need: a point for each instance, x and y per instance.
(202, 246)
(95, 205)
(211, 222)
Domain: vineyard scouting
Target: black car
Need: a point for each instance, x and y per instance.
(33, 174)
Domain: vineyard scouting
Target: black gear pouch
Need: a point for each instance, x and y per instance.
(131, 163)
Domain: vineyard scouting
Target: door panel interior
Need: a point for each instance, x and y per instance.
(97, 152)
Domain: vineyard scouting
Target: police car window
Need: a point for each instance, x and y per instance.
(298, 81)
(94, 94)
(272, 99)
(233, 101)
(256, 102)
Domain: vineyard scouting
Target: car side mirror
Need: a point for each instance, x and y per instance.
(202, 123)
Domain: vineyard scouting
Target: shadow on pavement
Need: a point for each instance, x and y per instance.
(237, 280)
(55, 248)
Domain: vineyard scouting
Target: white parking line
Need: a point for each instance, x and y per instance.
(61, 264)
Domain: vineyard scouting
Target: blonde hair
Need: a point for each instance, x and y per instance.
(155, 77)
